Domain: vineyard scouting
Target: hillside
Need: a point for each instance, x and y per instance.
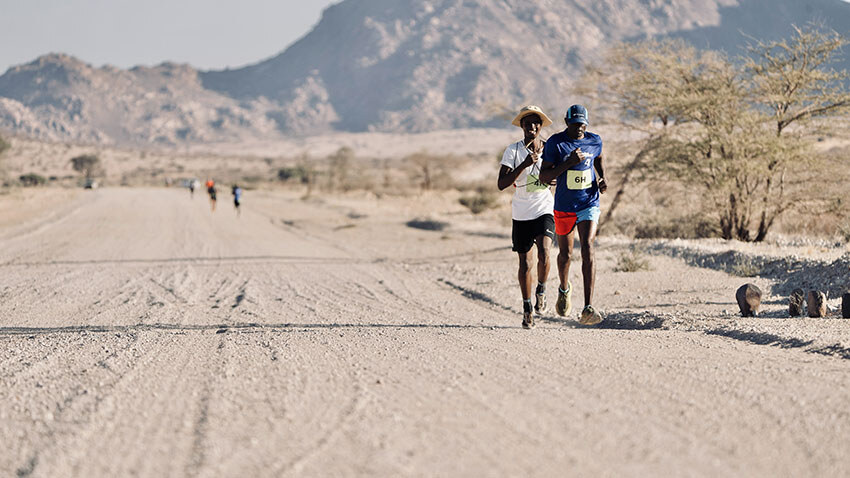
(380, 65)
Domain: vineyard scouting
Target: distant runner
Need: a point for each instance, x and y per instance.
(237, 197)
(531, 207)
(574, 157)
(211, 192)
(192, 189)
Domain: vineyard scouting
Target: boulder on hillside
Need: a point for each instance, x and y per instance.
(795, 303)
(816, 304)
(749, 299)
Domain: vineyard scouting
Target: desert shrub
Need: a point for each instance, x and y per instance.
(430, 171)
(631, 261)
(689, 227)
(252, 179)
(339, 169)
(745, 267)
(87, 164)
(4, 145)
(480, 201)
(32, 179)
(294, 173)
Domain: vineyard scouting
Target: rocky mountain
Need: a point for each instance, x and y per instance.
(384, 65)
(60, 97)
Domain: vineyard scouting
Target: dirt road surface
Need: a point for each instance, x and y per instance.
(143, 335)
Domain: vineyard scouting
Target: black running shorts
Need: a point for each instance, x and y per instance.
(525, 232)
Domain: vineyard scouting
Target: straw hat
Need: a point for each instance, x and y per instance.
(531, 110)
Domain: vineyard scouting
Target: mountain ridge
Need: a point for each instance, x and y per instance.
(378, 65)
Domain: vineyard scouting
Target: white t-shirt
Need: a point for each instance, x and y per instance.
(532, 198)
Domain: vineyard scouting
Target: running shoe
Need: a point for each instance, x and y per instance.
(527, 320)
(527, 316)
(564, 304)
(540, 300)
(589, 316)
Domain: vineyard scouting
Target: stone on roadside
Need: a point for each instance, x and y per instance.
(795, 303)
(749, 299)
(816, 304)
(845, 305)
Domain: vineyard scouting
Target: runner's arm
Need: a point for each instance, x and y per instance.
(600, 174)
(507, 176)
(550, 171)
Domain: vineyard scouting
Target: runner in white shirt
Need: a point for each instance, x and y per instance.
(531, 207)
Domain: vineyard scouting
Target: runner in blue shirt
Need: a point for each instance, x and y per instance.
(574, 157)
(237, 198)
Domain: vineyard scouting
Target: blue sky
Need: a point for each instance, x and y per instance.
(206, 34)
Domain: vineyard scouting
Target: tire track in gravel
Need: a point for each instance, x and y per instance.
(158, 389)
(59, 406)
(343, 411)
(660, 398)
(197, 457)
(292, 389)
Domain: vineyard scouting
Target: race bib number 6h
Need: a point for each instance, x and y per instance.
(579, 179)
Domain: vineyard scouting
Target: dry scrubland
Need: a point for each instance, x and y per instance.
(365, 325)
(462, 162)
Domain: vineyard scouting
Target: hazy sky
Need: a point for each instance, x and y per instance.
(207, 34)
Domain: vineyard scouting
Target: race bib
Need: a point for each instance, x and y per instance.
(533, 184)
(579, 179)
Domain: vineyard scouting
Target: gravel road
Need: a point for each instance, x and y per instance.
(143, 335)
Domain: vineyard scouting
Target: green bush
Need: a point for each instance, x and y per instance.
(87, 164)
(32, 179)
(689, 227)
(745, 267)
(631, 261)
(294, 173)
(479, 202)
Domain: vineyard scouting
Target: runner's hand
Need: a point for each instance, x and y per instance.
(603, 185)
(576, 157)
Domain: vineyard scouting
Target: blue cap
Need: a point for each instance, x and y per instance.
(576, 114)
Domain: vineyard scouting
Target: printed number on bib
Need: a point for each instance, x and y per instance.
(534, 184)
(579, 179)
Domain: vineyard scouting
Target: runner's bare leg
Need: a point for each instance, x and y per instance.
(544, 245)
(587, 237)
(524, 274)
(565, 250)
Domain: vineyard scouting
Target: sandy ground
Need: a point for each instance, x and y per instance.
(143, 335)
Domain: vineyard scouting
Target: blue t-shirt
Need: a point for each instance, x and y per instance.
(577, 188)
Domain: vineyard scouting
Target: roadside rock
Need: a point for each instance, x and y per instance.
(749, 299)
(795, 303)
(816, 304)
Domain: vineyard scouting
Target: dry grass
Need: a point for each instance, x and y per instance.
(745, 267)
(479, 202)
(648, 210)
(632, 261)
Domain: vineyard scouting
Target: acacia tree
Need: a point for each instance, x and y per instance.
(87, 164)
(339, 165)
(429, 170)
(723, 129)
(792, 79)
